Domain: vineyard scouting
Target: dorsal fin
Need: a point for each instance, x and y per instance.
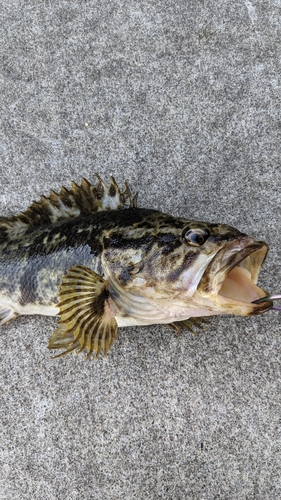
(78, 200)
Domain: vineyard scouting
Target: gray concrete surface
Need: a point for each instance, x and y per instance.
(182, 99)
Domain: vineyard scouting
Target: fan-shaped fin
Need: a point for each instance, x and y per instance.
(189, 323)
(86, 320)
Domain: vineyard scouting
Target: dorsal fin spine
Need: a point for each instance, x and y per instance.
(68, 203)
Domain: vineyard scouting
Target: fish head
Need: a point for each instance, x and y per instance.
(229, 281)
(192, 268)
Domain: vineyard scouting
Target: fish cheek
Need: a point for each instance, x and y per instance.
(122, 266)
(164, 266)
(124, 277)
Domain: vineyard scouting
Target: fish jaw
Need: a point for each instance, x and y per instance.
(229, 281)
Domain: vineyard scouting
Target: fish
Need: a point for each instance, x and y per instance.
(94, 259)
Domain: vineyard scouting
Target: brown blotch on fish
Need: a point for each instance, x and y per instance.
(112, 190)
(187, 262)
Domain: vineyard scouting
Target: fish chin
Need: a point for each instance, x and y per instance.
(230, 279)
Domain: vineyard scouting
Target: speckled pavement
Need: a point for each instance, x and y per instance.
(182, 100)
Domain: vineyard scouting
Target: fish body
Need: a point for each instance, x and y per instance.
(92, 257)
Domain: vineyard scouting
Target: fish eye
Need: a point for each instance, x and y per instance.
(196, 237)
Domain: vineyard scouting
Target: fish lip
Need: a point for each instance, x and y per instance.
(260, 310)
(252, 254)
(245, 252)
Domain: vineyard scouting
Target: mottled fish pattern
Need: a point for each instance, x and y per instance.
(89, 255)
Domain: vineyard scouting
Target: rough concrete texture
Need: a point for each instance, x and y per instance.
(182, 99)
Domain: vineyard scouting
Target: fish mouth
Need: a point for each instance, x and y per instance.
(230, 280)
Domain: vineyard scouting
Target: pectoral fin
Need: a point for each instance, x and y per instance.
(189, 324)
(86, 319)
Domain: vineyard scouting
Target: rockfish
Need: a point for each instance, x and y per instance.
(92, 257)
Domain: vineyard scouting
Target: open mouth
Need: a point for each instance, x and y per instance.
(234, 274)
